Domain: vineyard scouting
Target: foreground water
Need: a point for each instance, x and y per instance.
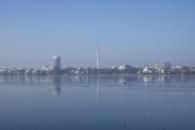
(97, 103)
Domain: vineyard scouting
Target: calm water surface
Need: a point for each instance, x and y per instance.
(97, 102)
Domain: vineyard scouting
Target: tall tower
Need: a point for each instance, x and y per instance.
(56, 65)
(98, 56)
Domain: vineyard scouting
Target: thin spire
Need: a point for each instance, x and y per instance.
(98, 56)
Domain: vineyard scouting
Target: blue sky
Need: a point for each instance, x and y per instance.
(139, 32)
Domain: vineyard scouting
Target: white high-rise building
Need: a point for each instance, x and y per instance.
(56, 63)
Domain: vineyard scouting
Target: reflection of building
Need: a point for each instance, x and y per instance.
(56, 65)
(160, 78)
(56, 90)
(147, 78)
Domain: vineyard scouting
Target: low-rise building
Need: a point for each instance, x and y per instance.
(146, 70)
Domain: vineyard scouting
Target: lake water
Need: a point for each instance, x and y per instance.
(97, 102)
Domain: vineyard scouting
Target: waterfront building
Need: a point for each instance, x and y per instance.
(56, 63)
(124, 67)
(146, 70)
(114, 67)
(162, 68)
(46, 67)
(159, 66)
(2, 71)
(168, 65)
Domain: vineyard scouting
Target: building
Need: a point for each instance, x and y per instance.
(46, 67)
(2, 71)
(124, 67)
(159, 66)
(56, 63)
(146, 70)
(166, 65)
(162, 68)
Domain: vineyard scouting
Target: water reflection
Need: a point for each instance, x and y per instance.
(92, 78)
(56, 89)
(104, 101)
(98, 90)
(168, 84)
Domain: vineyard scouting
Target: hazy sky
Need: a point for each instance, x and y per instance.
(138, 32)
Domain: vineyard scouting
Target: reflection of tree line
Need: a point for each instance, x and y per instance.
(165, 79)
(101, 78)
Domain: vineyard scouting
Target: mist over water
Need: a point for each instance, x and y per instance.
(97, 102)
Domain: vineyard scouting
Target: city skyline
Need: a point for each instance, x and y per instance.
(129, 32)
(56, 63)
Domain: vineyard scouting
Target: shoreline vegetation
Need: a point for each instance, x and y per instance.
(128, 70)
